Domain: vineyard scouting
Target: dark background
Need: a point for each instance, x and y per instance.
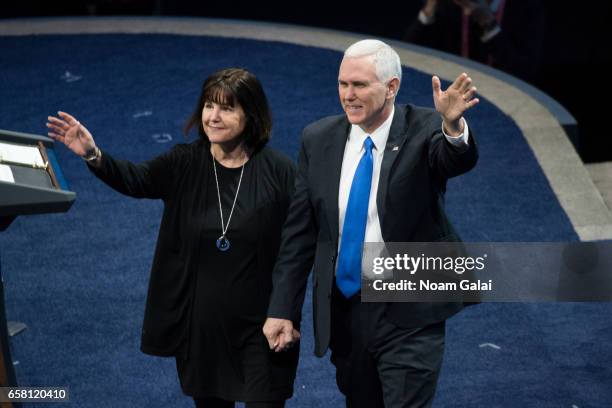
(575, 71)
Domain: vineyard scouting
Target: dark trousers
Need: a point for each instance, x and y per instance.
(379, 364)
(212, 402)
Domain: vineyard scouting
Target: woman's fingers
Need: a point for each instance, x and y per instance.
(56, 129)
(57, 122)
(68, 118)
(59, 127)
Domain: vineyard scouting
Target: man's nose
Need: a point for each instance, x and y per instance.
(350, 93)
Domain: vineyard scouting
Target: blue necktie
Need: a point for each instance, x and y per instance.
(348, 274)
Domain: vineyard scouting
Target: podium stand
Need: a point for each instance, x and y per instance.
(26, 189)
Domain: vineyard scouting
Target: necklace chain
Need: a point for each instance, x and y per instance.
(223, 226)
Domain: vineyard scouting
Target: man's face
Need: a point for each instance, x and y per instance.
(365, 99)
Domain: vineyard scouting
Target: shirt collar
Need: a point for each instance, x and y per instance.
(379, 136)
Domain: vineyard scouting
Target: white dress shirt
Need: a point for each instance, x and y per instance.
(353, 150)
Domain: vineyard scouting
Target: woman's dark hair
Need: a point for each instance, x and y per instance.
(228, 87)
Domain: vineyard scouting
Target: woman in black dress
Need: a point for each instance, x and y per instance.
(225, 200)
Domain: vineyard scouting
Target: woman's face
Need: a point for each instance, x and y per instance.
(223, 123)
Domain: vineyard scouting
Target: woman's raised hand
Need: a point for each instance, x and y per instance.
(70, 132)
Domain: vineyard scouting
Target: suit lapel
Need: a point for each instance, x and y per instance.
(334, 154)
(395, 142)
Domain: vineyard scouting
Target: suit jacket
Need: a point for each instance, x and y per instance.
(416, 164)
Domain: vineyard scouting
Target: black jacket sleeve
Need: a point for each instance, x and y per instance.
(297, 250)
(446, 159)
(151, 179)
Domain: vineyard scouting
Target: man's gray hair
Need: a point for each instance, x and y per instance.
(385, 59)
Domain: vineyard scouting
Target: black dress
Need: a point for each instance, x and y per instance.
(204, 306)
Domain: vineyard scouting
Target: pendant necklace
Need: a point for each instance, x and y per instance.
(223, 244)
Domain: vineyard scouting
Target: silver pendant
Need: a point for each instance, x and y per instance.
(223, 243)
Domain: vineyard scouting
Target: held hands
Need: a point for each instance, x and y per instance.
(280, 334)
(452, 103)
(70, 132)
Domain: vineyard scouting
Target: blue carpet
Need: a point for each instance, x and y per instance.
(78, 280)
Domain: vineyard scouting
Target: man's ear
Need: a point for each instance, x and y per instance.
(392, 88)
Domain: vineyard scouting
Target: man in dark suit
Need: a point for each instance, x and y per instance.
(376, 174)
